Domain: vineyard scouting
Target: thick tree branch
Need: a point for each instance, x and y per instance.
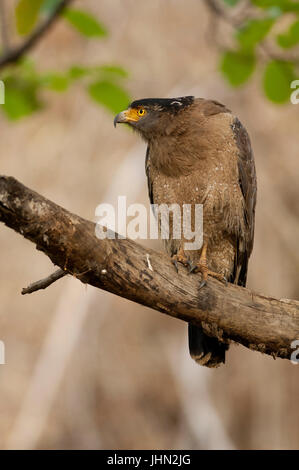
(13, 55)
(144, 276)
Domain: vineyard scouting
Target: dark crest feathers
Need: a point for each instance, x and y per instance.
(164, 104)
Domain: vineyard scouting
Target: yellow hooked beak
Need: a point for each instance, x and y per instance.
(129, 115)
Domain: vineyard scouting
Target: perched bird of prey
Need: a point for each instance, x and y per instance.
(199, 153)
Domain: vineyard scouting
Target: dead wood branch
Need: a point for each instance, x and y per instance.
(125, 268)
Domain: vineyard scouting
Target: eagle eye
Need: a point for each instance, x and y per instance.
(141, 112)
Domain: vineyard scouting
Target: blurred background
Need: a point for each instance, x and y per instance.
(86, 369)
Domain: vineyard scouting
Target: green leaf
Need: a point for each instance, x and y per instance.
(285, 5)
(237, 66)
(269, 3)
(106, 93)
(27, 69)
(77, 71)
(277, 80)
(274, 12)
(99, 71)
(231, 3)
(291, 37)
(112, 70)
(20, 99)
(55, 81)
(27, 12)
(85, 23)
(254, 32)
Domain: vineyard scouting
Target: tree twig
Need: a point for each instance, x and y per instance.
(45, 282)
(121, 266)
(13, 55)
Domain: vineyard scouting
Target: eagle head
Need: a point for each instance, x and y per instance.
(154, 116)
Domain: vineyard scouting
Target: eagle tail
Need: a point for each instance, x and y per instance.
(204, 349)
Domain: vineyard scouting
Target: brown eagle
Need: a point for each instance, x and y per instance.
(199, 153)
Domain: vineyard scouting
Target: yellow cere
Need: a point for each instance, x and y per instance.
(134, 114)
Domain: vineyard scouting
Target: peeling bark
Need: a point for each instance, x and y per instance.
(147, 277)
